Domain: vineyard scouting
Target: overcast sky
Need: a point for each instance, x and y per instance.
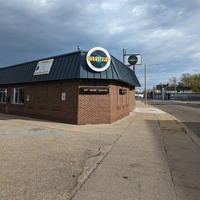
(164, 32)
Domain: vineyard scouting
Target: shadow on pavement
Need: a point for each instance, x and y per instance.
(183, 156)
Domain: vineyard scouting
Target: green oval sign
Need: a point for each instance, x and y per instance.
(132, 60)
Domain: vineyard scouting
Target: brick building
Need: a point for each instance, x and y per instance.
(77, 88)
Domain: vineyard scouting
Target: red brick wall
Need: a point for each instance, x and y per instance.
(94, 108)
(121, 104)
(43, 100)
(99, 109)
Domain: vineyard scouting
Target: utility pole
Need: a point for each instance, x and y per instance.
(145, 83)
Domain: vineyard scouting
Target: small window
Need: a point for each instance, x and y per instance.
(18, 96)
(3, 95)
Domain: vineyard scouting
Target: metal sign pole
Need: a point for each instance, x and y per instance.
(124, 53)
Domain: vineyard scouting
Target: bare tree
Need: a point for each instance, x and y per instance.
(173, 81)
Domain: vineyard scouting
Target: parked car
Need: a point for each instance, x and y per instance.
(139, 95)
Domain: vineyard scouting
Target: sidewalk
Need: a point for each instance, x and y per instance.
(147, 155)
(153, 159)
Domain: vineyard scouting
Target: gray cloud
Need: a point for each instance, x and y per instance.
(164, 32)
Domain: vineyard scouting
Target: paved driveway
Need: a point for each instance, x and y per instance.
(47, 160)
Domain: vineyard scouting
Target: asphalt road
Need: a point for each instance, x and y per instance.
(187, 112)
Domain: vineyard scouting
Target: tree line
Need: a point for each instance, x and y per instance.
(187, 80)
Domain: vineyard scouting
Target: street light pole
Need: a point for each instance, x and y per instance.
(145, 83)
(162, 93)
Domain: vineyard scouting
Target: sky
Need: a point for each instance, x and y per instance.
(164, 32)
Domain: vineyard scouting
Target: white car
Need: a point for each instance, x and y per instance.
(139, 95)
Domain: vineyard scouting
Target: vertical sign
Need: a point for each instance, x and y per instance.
(63, 97)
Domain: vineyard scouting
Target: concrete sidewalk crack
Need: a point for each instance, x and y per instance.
(94, 161)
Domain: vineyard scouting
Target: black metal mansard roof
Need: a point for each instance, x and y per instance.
(67, 66)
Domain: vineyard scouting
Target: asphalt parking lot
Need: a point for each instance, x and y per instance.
(47, 160)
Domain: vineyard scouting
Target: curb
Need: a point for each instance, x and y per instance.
(188, 131)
